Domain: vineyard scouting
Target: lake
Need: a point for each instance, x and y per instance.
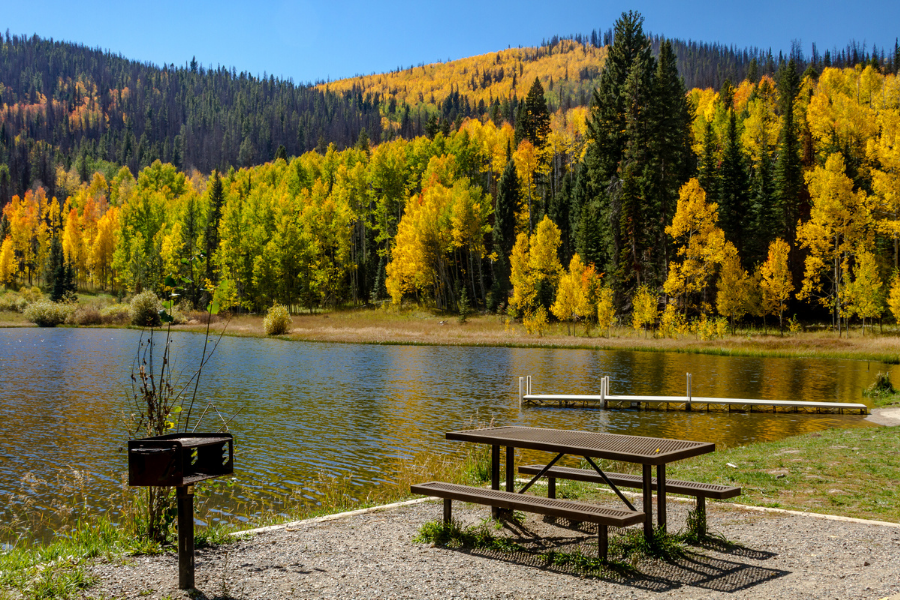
(302, 411)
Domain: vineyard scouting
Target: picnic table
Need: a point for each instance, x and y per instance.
(646, 451)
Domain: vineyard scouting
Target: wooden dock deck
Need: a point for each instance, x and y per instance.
(684, 403)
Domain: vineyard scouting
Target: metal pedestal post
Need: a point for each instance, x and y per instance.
(185, 497)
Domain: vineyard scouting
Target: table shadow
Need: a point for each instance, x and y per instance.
(727, 573)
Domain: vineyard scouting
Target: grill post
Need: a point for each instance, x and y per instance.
(185, 497)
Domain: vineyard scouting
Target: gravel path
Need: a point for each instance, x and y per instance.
(372, 555)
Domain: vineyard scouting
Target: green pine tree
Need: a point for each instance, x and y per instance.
(734, 186)
(788, 168)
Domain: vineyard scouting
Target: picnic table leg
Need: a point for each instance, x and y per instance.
(661, 496)
(495, 476)
(510, 469)
(648, 502)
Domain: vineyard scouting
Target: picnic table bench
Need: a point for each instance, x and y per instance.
(568, 509)
(701, 491)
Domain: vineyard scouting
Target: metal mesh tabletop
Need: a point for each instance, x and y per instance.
(630, 448)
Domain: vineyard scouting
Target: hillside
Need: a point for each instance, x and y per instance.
(568, 71)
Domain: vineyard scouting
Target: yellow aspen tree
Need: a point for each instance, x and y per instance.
(606, 309)
(701, 244)
(731, 300)
(535, 268)
(72, 243)
(527, 160)
(7, 261)
(884, 151)
(866, 298)
(893, 300)
(573, 297)
(775, 281)
(104, 246)
(839, 222)
(645, 308)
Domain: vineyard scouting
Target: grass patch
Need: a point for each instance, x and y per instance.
(847, 472)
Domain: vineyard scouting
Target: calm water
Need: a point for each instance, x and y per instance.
(304, 410)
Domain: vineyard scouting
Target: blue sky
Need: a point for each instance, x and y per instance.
(308, 41)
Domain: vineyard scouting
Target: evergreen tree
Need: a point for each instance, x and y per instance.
(537, 119)
(788, 168)
(503, 233)
(213, 216)
(709, 167)
(764, 218)
(734, 187)
(607, 129)
(671, 156)
(61, 273)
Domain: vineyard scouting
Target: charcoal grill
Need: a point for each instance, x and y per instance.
(180, 460)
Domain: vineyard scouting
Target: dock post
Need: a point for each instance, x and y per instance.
(603, 391)
(521, 381)
(528, 384)
(687, 405)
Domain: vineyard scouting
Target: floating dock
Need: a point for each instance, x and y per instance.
(687, 402)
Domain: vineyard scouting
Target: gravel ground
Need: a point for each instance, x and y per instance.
(372, 555)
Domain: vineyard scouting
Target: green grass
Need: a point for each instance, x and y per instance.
(847, 472)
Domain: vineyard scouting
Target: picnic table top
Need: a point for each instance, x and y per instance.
(612, 446)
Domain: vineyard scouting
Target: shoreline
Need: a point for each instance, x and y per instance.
(421, 328)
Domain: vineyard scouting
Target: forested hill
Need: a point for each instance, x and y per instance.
(66, 106)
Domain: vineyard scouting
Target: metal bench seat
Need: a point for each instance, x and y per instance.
(568, 509)
(701, 491)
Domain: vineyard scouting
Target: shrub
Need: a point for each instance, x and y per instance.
(145, 309)
(277, 321)
(48, 314)
(86, 315)
(119, 314)
(10, 302)
(32, 294)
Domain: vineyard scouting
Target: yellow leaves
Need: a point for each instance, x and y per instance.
(776, 283)
(762, 126)
(839, 222)
(731, 300)
(863, 295)
(701, 242)
(840, 111)
(534, 267)
(606, 309)
(7, 261)
(893, 300)
(576, 292)
(436, 223)
(645, 307)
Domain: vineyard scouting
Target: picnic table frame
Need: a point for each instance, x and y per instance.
(646, 451)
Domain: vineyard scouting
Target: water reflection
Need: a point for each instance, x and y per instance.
(357, 410)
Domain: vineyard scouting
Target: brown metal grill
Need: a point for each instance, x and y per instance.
(642, 450)
(180, 460)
